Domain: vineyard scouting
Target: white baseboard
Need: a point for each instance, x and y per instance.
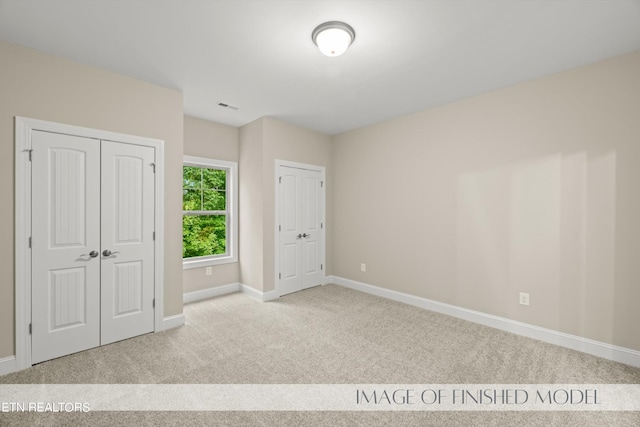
(259, 295)
(210, 293)
(585, 345)
(8, 365)
(216, 291)
(271, 295)
(173, 321)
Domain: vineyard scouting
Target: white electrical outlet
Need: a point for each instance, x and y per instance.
(524, 298)
(207, 271)
(363, 267)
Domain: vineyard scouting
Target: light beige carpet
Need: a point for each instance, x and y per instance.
(327, 335)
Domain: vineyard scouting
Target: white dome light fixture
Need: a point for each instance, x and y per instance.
(333, 37)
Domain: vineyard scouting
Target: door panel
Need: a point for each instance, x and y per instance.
(300, 219)
(311, 203)
(128, 202)
(290, 262)
(311, 257)
(291, 222)
(128, 288)
(87, 196)
(311, 200)
(65, 289)
(290, 197)
(67, 303)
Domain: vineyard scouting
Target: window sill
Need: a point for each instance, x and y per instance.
(207, 262)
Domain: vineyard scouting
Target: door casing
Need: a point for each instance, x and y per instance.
(23, 129)
(322, 209)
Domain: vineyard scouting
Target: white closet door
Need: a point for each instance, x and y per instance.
(300, 217)
(93, 210)
(65, 290)
(311, 242)
(290, 189)
(127, 241)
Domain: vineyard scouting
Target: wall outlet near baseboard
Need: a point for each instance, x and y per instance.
(363, 267)
(524, 298)
(207, 271)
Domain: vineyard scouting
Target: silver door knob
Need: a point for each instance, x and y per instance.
(94, 254)
(299, 236)
(107, 252)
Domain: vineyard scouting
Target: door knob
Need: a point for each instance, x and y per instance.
(107, 252)
(299, 236)
(305, 235)
(94, 254)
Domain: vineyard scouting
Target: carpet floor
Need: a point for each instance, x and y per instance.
(325, 335)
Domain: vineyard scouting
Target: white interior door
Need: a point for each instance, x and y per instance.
(92, 243)
(300, 229)
(312, 235)
(65, 245)
(290, 229)
(127, 249)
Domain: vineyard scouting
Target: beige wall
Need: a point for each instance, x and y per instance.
(41, 86)
(528, 189)
(262, 142)
(203, 138)
(283, 141)
(531, 189)
(251, 204)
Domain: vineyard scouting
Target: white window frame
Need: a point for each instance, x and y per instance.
(232, 212)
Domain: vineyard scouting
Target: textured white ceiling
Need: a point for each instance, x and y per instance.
(258, 55)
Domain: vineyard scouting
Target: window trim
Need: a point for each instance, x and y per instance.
(232, 215)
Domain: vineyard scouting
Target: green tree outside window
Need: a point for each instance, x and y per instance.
(204, 208)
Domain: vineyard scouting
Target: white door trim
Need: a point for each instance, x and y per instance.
(321, 169)
(23, 129)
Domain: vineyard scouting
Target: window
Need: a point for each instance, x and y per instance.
(209, 212)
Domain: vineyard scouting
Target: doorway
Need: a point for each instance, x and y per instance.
(89, 275)
(300, 213)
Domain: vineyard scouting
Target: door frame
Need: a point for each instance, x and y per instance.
(23, 129)
(323, 214)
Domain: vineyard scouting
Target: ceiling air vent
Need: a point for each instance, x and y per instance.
(229, 106)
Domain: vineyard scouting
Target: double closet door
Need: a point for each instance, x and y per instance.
(301, 229)
(92, 277)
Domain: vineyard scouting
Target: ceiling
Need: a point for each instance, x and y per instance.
(258, 55)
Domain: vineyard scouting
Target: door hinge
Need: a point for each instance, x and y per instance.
(279, 275)
(153, 165)
(30, 329)
(30, 153)
(321, 225)
(30, 242)
(154, 235)
(321, 184)
(280, 180)
(321, 267)
(279, 228)
(154, 303)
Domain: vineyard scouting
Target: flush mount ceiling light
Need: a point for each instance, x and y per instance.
(333, 37)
